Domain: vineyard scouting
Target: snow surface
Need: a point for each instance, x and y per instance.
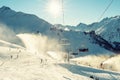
(19, 64)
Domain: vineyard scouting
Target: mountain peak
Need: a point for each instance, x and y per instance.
(81, 24)
(118, 16)
(5, 8)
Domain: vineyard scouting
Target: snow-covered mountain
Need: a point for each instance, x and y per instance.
(111, 29)
(43, 50)
(21, 22)
(108, 28)
(77, 36)
(82, 27)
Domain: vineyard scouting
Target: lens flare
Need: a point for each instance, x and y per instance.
(54, 7)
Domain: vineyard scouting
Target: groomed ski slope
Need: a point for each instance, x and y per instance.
(24, 65)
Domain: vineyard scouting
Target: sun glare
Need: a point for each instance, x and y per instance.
(54, 7)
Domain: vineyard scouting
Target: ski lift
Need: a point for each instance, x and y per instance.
(83, 49)
(53, 28)
(74, 53)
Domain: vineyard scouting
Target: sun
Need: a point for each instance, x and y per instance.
(54, 7)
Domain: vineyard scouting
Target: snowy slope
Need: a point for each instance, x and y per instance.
(79, 40)
(24, 65)
(72, 41)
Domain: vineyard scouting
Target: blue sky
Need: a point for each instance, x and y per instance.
(76, 11)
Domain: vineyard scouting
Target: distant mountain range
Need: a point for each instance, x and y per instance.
(108, 28)
(99, 37)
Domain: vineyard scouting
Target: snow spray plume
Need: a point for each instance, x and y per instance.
(42, 45)
(8, 35)
(112, 63)
(109, 62)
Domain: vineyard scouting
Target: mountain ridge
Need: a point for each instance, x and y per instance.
(18, 20)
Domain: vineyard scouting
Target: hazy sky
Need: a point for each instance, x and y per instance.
(76, 11)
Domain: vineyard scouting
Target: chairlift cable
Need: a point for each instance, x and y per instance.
(106, 9)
